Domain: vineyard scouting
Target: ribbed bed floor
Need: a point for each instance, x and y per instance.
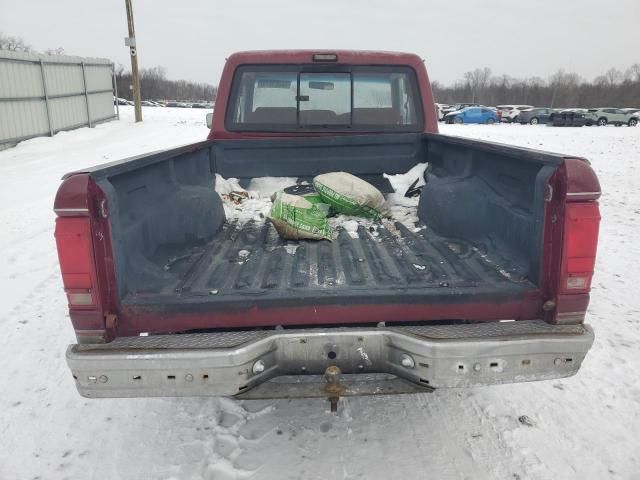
(383, 263)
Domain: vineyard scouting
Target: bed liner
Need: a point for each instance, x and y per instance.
(250, 265)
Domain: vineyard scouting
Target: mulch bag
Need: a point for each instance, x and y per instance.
(350, 195)
(297, 217)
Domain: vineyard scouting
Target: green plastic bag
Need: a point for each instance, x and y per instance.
(348, 194)
(300, 217)
(316, 200)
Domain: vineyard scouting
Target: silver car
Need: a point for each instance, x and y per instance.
(614, 116)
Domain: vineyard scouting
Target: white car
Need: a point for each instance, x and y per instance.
(440, 107)
(509, 113)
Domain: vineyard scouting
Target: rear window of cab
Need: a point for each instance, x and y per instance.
(281, 98)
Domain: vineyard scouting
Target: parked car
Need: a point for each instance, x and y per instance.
(170, 297)
(472, 115)
(457, 107)
(572, 117)
(440, 110)
(534, 116)
(634, 116)
(509, 113)
(146, 103)
(120, 101)
(614, 116)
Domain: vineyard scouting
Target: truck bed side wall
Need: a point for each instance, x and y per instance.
(478, 191)
(163, 203)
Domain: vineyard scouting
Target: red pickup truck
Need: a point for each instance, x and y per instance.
(169, 297)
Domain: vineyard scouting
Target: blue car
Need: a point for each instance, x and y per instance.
(472, 115)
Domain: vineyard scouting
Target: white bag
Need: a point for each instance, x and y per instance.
(351, 195)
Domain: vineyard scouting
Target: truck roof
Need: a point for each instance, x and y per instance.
(362, 57)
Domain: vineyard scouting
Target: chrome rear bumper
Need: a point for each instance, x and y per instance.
(374, 360)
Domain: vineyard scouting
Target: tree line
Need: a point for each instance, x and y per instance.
(154, 84)
(563, 89)
(18, 44)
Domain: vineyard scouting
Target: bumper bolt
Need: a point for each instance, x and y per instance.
(188, 377)
(557, 361)
(407, 361)
(258, 367)
(103, 379)
(477, 367)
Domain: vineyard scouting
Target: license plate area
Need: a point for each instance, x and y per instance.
(313, 354)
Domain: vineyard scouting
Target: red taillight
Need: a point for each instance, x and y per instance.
(580, 244)
(75, 252)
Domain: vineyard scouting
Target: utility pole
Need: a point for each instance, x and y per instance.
(131, 43)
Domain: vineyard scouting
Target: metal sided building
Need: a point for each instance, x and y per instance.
(45, 94)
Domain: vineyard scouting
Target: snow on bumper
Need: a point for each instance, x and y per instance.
(290, 363)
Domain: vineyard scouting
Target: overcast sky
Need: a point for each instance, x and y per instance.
(191, 38)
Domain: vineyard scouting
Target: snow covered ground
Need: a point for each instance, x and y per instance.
(585, 427)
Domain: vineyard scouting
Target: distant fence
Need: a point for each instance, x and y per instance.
(45, 94)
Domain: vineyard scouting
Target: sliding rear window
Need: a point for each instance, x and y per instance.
(282, 98)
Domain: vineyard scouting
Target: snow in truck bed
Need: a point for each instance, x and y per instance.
(255, 202)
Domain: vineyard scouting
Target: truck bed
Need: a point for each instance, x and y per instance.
(474, 254)
(250, 265)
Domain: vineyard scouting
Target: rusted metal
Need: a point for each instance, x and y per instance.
(333, 387)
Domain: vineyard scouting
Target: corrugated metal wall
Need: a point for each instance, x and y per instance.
(43, 94)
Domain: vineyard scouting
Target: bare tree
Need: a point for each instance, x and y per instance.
(613, 76)
(565, 79)
(18, 44)
(536, 82)
(563, 84)
(54, 51)
(478, 80)
(13, 44)
(601, 81)
(632, 73)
